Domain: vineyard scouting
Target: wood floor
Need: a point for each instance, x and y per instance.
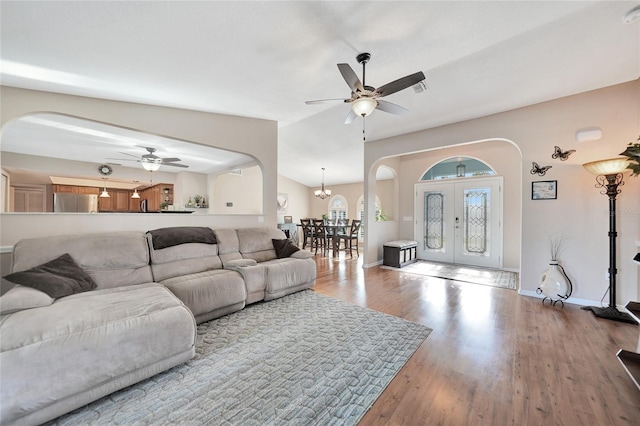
(494, 357)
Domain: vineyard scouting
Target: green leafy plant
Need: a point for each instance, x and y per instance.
(197, 198)
(633, 154)
(380, 217)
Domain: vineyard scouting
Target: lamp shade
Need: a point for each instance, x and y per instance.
(364, 106)
(610, 166)
(151, 164)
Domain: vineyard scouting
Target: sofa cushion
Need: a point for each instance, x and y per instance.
(20, 297)
(112, 259)
(257, 244)
(85, 340)
(209, 290)
(285, 276)
(183, 259)
(176, 235)
(57, 278)
(284, 248)
(228, 244)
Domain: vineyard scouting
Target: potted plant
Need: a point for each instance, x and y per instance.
(197, 199)
(633, 154)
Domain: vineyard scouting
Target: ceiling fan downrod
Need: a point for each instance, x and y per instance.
(363, 58)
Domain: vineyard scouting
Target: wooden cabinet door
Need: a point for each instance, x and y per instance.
(121, 200)
(106, 204)
(88, 190)
(65, 188)
(134, 204)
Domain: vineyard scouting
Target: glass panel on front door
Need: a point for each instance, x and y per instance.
(434, 221)
(476, 204)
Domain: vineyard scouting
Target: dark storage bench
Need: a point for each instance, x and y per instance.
(399, 253)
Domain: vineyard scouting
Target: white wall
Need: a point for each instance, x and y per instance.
(255, 137)
(299, 196)
(243, 192)
(580, 210)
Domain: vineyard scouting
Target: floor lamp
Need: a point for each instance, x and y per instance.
(609, 176)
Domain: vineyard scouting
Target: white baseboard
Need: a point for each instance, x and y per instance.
(572, 300)
(371, 265)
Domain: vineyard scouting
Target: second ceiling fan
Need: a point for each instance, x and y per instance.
(151, 161)
(364, 99)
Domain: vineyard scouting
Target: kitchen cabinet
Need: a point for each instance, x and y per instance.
(70, 189)
(158, 196)
(88, 190)
(118, 201)
(105, 204)
(134, 204)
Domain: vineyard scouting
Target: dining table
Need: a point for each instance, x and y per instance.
(332, 231)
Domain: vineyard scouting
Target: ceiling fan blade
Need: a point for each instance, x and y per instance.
(175, 165)
(119, 159)
(391, 108)
(130, 155)
(170, 160)
(350, 77)
(350, 117)
(322, 101)
(400, 84)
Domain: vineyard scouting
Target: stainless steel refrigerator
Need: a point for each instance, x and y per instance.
(78, 203)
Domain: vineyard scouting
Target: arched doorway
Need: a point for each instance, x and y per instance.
(458, 210)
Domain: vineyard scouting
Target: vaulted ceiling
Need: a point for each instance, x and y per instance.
(265, 59)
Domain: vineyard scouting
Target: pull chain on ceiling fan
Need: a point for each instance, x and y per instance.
(365, 99)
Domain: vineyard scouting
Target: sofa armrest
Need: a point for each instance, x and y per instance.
(302, 254)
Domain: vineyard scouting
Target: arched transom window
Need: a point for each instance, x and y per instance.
(458, 167)
(338, 208)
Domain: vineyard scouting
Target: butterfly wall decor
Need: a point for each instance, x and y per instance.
(536, 169)
(562, 155)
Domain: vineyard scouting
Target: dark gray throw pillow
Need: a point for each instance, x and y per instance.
(284, 248)
(57, 278)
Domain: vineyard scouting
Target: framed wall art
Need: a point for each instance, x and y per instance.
(283, 202)
(544, 190)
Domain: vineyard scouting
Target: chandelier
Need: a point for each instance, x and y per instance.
(322, 193)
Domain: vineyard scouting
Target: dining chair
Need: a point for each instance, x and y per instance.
(319, 236)
(307, 233)
(351, 237)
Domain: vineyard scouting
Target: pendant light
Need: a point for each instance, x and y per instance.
(104, 193)
(461, 169)
(135, 190)
(323, 193)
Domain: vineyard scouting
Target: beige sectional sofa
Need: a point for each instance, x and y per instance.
(57, 355)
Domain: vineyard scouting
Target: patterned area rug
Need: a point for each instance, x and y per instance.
(470, 274)
(303, 359)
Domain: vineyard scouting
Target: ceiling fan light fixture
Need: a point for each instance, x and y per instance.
(364, 106)
(151, 164)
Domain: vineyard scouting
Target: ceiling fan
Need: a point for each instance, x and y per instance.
(152, 162)
(364, 99)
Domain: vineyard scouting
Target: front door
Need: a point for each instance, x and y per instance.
(460, 221)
